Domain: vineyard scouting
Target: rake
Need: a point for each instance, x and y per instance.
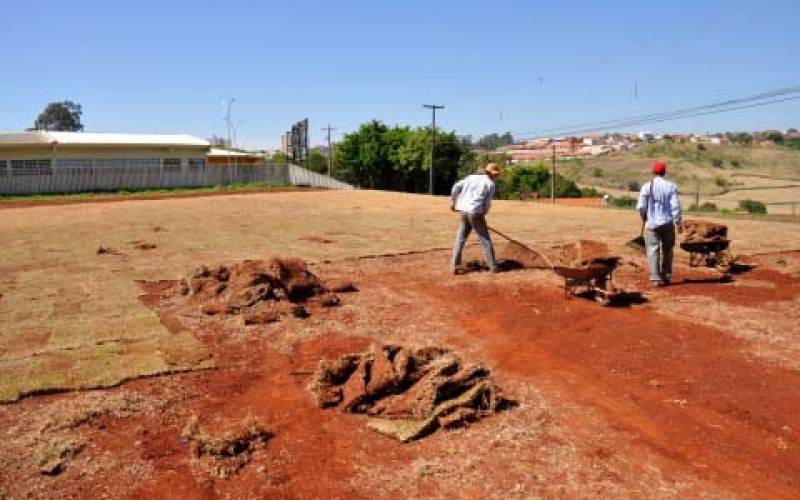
(523, 248)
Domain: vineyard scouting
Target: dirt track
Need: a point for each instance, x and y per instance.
(691, 391)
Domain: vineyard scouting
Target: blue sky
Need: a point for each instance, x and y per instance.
(497, 66)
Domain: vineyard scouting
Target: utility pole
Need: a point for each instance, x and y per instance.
(330, 151)
(433, 108)
(553, 178)
(228, 122)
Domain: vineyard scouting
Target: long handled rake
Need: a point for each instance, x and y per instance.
(523, 248)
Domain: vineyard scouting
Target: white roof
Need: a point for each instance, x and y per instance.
(113, 139)
(228, 152)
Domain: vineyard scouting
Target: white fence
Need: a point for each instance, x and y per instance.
(85, 179)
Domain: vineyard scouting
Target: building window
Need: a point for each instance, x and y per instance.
(197, 164)
(3, 168)
(31, 167)
(111, 164)
(172, 164)
(145, 163)
(74, 164)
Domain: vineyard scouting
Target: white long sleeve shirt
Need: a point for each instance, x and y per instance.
(473, 194)
(659, 203)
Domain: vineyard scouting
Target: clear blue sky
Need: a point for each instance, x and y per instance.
(497, 66)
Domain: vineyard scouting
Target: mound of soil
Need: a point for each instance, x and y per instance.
(408, 393)
(697, 230)
(260, 290)
(225, 455)
(584, 253)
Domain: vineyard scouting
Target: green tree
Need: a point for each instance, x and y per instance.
(60, 116)
(398, 158)
(521, 181)
(494, 141)
(280, 158)
(317, 162)
(741, 138)
(363, 155)
(774, 136)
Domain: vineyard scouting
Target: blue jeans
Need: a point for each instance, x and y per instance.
(659, 243)
(478, 223)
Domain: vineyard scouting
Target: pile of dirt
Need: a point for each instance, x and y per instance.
(408, 393)
(583, 253)
(260, 290)
(225, 455)
(523, 256)
(697, 230)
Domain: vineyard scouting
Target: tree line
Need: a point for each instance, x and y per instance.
(396, 158)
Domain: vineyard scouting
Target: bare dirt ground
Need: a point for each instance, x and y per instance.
(688, 391)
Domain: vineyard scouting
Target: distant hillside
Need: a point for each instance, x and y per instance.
(721, 174)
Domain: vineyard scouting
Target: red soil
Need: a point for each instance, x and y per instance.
(613, 402)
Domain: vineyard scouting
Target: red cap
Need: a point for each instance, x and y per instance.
(659, 167)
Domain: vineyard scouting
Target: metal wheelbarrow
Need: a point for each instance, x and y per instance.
(710, 253)
(595, 279)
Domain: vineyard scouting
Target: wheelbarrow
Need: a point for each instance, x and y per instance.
(595, 279)
(709, 253)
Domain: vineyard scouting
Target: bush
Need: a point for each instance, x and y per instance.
(753, 207)
(705, 207)
(624, 202)
(590, 192)
(634, 186)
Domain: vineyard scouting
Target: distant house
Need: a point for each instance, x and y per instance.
(43, 152)
(647, 136)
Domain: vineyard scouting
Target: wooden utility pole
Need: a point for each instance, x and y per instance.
(553, 178)
(433, 108)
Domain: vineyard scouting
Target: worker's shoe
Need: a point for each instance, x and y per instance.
(458, 271)
(494, 269)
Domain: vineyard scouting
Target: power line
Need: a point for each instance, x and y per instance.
(760, 99)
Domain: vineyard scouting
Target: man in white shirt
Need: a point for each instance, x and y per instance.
(472, 196)
(660, 210)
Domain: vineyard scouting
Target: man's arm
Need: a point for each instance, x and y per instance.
(675, 209)
(455, 193)
(643, 202)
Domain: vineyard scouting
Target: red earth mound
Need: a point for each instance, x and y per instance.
(260, 290)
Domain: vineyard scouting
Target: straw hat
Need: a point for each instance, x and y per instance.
(492, 168)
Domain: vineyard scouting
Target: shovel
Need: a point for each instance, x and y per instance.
(638, 242)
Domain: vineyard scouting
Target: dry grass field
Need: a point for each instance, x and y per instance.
(669, 397)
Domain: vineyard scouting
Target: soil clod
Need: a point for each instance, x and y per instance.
(407, 393)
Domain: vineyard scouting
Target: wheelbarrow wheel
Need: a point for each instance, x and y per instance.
(602, 298)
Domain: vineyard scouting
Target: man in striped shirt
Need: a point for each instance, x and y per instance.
(660, 210)
(472, 196)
